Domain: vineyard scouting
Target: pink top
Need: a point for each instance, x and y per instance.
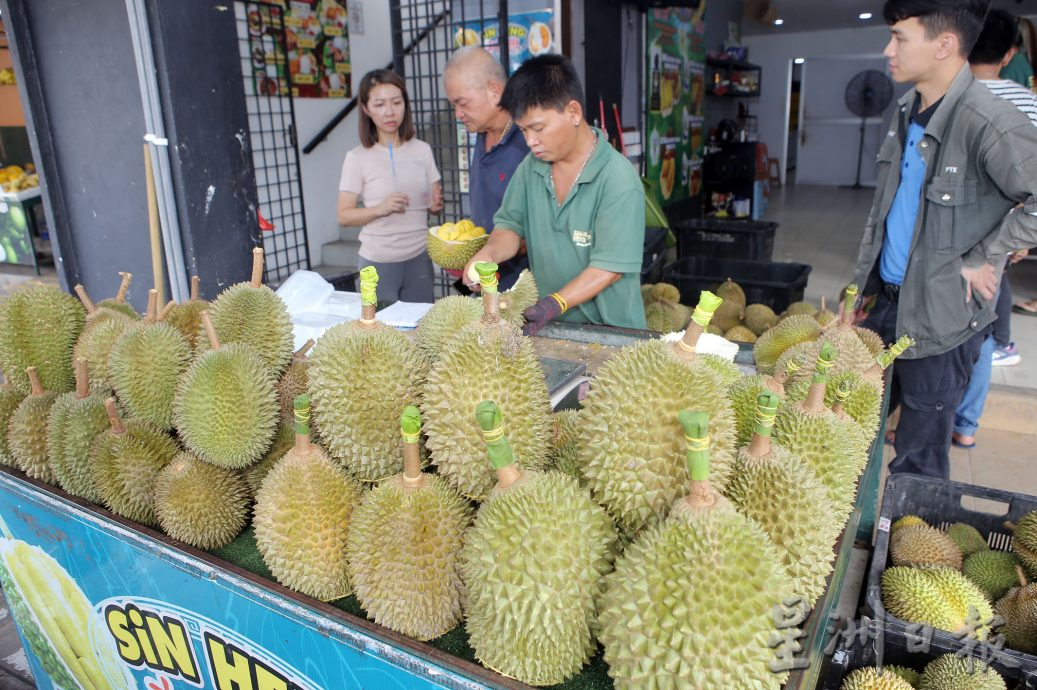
(368, 173)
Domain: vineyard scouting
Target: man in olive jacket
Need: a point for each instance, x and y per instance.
(957, 179)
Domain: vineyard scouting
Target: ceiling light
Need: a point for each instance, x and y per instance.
(799, 61)
(779, 22)
(864, 15)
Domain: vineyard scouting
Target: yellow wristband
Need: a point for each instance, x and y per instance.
(561, 301)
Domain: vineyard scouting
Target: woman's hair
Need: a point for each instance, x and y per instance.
(368, 132)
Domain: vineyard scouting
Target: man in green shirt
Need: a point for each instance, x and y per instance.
(578, 204)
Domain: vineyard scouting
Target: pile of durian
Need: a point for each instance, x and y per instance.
(951, 580)
(428, 476)
(945, 672)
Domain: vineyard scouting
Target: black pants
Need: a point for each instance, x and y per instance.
(1003, 309)
(928, 391)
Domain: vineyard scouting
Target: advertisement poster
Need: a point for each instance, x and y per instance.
(15, 234)
(529, 34)
(99, 606)
(676, 88)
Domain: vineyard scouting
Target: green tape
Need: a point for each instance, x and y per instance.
(487, 271)
(825, 361)
(302, 414)
(851, 298)
(491, 420)
(696, 435)
(369, 286)
(887, 356)
(410, 424)
(708, 304)
(766, 411)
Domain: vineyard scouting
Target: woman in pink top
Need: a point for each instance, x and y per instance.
(395, 177)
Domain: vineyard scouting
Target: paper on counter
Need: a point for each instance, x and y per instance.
(404, 314)
(708, 344)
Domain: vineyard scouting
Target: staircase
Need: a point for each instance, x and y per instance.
(339, 259)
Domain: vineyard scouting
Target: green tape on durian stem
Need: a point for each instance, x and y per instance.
(410, 424)
(369, 285)
(842, 393)
(302, 414)
(696, 436)
(794, 364)
(887, 356)
(851, 299)
(708, 304)
(491, 420)
(766, 411)
(487, 271)
(825, 361)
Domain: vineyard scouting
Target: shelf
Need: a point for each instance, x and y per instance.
(731, 64)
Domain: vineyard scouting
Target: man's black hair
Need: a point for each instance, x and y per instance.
(545, 81)
(962, 17)
(999, 34)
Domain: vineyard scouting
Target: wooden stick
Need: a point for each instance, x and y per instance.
(88, 303)
(210, 330)
(34, 381)
(153, 225)
(257, 267)
(82, 378)
(118, 428)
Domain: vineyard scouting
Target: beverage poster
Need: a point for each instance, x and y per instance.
(676, 86)
(529, 34)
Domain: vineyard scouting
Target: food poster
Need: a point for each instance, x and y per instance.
(529, 34)
(15, 235)
(676, 86)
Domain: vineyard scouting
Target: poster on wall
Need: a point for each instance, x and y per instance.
(676, 86)
(529, 34)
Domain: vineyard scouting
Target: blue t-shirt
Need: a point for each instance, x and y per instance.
(488, 177)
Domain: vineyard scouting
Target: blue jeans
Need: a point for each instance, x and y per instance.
(970, 409)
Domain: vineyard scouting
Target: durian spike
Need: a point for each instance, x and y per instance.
(766, 410)
(849, 301)
(302, 424)
(815, 401)
(841, 395)
(257, 267)
(124, 287)
(487, 271)
(498, 449)
(410, 430)
(696, 434)
(368, 296)
(152, 312)
(34, 381)
(82, 378)
(1021, 575)
(195, 283)
(700, 318)
(118, 428)
(88, 303)
(170, 305)
(210, 330)
(776, 381)
(885, 358)
(306, 347)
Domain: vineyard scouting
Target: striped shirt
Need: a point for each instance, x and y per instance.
(1021, 97)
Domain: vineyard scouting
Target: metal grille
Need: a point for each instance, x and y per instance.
(271, 122)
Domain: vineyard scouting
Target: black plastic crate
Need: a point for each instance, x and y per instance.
(775, 284)
(654, 255)
(941, 503)
(865, 643)
(726, 239)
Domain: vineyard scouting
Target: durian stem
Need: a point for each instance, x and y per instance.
(508, 475)
(368, 313)
(685, 347)
(301, 412)
(118, 428)
(210, 330)
(491, 303)
(815, 402)
(760, 446)
(849, 300)
(1021, 575)
(822, 302)
(701, 494)
(170, 305)
(152, 312)
(306, 347)
(34, 380)
(195, 283)
(776, 382)
(124, 287)
(412, 475)
(257, 267)
(88, 303)
(303, 445)
(82, 378)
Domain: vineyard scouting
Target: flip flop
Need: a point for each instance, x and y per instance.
(1023, 309)
(890, 438)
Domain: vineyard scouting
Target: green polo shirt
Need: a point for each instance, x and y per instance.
(601, 224)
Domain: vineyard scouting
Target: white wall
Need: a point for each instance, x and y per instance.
(322, 167)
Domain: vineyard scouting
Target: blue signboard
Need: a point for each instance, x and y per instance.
(103, 607)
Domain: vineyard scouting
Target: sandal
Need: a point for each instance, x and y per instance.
(1026, 308)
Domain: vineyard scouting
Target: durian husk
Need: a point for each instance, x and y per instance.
(1019, 609)
(875, 679)
(731, 292)
(186, 317)
(922, 545)
(76, 418)
(283, 442)
(940, 597)
(39, 326)
(728, 315)
(565, 444)
(954, 672)
(532, 564)
(10, 398)
(667, 317)
(145, 366)
(520, 297)
(443, 321)
(27, 431)
(759, 318)
(95, 344)
(201, 504)
(664, 291)
(741, 334)
(294, 381)
(774, 342)
(864, 403)
(1024, 542)
(967, 538)
(743, 394)
(992, 571)
(118, 304)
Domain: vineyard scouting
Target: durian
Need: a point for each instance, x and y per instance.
(922, 545)
(633, 457)
(103, 328)
(251, 313)
(442, 322)
(825, 316)
(283, 442)
(302, 517)
(362, 375)
(39, 326)
(126, 459)
(522, 295)
(187, 317)
(743, 394)
(783, 496)
(489, 359)
(201, 504)
(741, 334)
(691, 601)
(76, 418)
(1024, 542)
(10, 399)
(728, 315)
(861, 437)
(731, 292)
(954, 672)
(992, 571)
(875, 679)
(118, 303)
(666, 317)
(940, 597)
(404, 544)
(295, 380)
(665, 291)
(532, 564)
(853, 354)
(800, 308)
(909, 674)
(27, 430)
(759, 318)
(565, 444)
(1019, 609)
(906, 521)
(967, 538)
(772, 343)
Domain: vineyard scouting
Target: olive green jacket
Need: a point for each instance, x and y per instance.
(980, 154)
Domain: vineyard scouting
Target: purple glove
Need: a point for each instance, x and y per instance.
(539, 314)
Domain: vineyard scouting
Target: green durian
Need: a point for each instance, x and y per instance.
(731, 292)
(871, 339)
(126, 460)
(875, 679)
(772, 343)
(565, 444)
(940, 597)
(76, 418)
(967, 538)
(284, 441)
(95, 345)
(953, 672)
(404, 546)
(726, 370)
(27, 430)
(442, 322)
(785, 497)
(201, 504)
(146, 365)
(634, 458)
(251, 313)
(1019, 609)
(1024, 542)
(800, 308)
(489, 359)
(363, 374)
(691, 601)
(665, 291)
(187, 317)
(728, 315)
(522, 295)
(294, 381)
(922, 545)
(906, 521)
(909, 674)
(532, 564)
(302, 516)
(715, 330)
(10, 399)
(759, 318)
(666, 317)
(743, 394)
(39, 326)
(861, 437)
(992, 571)
(741, 334)
(118, 304)
(825, 316)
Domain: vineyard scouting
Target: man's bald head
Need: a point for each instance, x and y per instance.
(476, 67)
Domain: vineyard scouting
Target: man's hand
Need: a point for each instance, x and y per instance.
(861, 312)
(1016, 257)
(981, 279)
(540, 313)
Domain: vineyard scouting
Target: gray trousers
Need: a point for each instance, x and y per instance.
(403, 281)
